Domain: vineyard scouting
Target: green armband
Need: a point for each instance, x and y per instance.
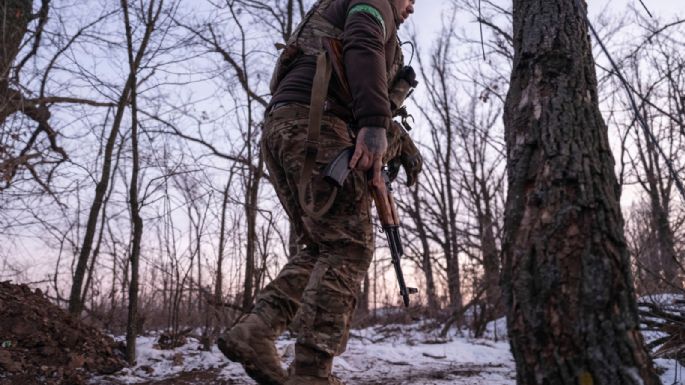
(365, 8)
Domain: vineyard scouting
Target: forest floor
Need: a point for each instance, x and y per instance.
(382, 355)
(41, 344)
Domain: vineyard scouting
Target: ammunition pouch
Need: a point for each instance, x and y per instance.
(402, 152)
(283, 65)
(402, 86)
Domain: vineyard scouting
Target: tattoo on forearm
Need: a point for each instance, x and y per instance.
(373, 140)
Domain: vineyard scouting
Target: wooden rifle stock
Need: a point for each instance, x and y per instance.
(385, 204)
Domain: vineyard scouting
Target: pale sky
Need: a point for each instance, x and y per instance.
(427, 21)
(427, 12)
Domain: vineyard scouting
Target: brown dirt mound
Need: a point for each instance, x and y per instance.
(41, 344)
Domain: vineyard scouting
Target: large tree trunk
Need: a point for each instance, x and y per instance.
(16, 15)
(572, 315)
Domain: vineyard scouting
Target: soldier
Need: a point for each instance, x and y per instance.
(315, 293)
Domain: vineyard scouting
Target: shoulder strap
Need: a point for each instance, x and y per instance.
(322, 78)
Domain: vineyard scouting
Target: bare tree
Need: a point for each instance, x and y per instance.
(660, 93)
(150, 15)
(31, 145)
(414, 209)
(442, 184)
(279, 18)
(75, 298)
(458, 203)
(481, 184)
(16, 17)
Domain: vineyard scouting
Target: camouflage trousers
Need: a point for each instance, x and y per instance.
(315, 293)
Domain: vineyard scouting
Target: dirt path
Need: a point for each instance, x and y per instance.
(195, 377)
(453, 374)
(449, 374)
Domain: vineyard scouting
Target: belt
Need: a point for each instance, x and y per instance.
(329, 108)
(276, 106)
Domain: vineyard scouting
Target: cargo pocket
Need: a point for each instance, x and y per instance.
(303, 321)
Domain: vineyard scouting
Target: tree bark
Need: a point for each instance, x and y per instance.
(572, 315)
(16, 15)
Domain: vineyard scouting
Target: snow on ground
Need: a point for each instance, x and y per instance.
(670, 371)
(391, 354)
(157, 364)
(407, 355)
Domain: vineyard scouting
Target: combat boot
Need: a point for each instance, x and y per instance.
(252, 343)
(311, 367)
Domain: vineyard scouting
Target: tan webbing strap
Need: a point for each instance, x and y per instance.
(322, 78)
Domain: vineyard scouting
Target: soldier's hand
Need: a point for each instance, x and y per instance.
(368, 152)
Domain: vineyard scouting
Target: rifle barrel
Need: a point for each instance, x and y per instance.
(396, 252)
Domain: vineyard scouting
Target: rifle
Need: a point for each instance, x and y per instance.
(336, 172)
